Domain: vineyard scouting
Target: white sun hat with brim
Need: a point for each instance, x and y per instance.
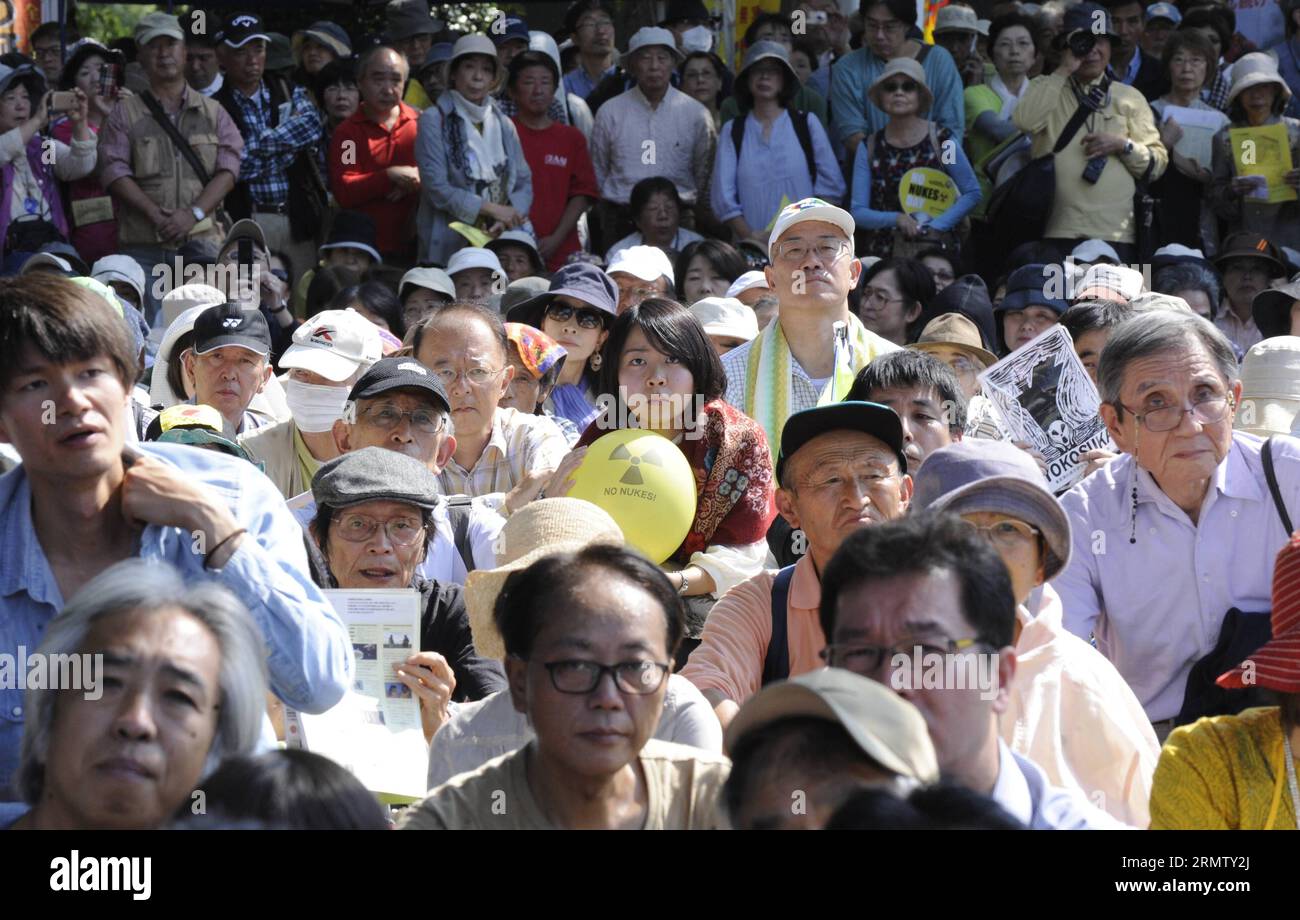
(1254, 69)
(474, 257)
(1270, 387)
(726, 316)
(432, 279)
(649, 263)
(747, 282)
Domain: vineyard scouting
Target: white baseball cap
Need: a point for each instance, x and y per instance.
(650, 37)
(748, 281)
(726, 316)
(1116, 279)
(474, 257)
(810, 209)
(1094, 251)
(120, 268)
(433, 279)
(335, 344)
(649, 263)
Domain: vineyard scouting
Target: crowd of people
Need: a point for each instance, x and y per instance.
(287, 314)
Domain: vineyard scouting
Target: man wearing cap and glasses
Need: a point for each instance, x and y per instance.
(927, 597)
(329, 354)
(277, 130)
(1161, 19)
(810, 355)
(229, 363)
(841, 467)
(162, 200)
(399, 405)
(652, 129)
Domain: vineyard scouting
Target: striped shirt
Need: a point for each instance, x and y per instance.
(520, 444)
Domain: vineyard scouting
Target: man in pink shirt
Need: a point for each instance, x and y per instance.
(841, 467)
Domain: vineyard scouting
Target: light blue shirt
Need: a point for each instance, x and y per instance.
(959, 171)
(577, 81)
(309, 654)
(1288, 65)
(853, 113)
(770, 170)
(1023, 791)
(1157, 605)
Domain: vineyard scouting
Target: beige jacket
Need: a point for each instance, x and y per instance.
(274, 446)
(1071, 713)
(1082, 210)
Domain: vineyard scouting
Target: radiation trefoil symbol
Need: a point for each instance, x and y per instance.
(633, 475)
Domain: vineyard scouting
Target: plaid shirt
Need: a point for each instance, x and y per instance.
(268, 151)
(520, 444)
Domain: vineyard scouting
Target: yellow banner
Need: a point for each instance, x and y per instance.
(1264, 155)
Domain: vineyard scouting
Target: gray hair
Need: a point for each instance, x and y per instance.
(1183, 276)
(140, 585)
(1153, 332)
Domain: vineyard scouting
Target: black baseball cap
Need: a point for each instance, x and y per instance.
(242, 28)
(870, 418)
(230, 324)
(399, 374)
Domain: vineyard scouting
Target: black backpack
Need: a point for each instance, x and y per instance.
(801, 131)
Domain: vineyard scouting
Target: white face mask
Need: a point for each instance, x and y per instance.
(697, 38)
(315, 408)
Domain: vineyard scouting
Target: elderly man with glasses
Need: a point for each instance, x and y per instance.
(503, 455)
(1181, 529)
(400, 406)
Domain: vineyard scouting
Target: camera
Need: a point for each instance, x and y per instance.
(1080, 42)
(1092, 172)
(62, 101)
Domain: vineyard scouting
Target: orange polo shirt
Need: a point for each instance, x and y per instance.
(738, 632)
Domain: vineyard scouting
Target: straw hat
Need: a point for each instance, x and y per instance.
(953, 330)
(907, 67)
(542, 528)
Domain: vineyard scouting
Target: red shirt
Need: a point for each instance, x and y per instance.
(561, 168)
(362, 183)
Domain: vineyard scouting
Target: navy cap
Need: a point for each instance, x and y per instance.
(399, 374)
(514, 29)
(1028, 286)
(230, 324)
(578, 280)
(1089, 17)
(870, 418)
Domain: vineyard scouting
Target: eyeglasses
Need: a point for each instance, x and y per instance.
(868, 659)
(1208, 409)
(1007, 535)
(882, 28)
(358, 528)
(636, 677)
(475, 375)
(388, 417)
(587, 319)
(894, 86)
(591, 25)
(875, 295)
(827, 250)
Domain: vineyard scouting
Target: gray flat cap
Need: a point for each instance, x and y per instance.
(374, 474)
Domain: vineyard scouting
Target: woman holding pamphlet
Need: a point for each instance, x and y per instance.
(1254, 158)
(1187, 129)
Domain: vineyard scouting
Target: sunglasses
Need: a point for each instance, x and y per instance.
(587, 319)
(893, 86)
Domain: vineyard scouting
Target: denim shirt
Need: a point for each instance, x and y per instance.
(309, 654)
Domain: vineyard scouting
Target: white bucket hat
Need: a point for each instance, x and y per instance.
(1270, 387)
(726, 316)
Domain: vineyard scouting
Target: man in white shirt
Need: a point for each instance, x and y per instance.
(925, 606)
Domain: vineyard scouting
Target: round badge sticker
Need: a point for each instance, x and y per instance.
(926, 191)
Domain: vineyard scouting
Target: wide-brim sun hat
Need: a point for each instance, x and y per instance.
(1255, 69)
(1270, 387)
(905, 67)
(542, 528)
(764, 51)
(976, 474)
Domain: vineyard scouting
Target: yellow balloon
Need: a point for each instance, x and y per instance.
(644, 482)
